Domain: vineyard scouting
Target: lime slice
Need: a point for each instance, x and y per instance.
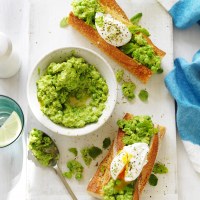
(10, 130)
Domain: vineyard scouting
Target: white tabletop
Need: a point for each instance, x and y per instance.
(14, 22)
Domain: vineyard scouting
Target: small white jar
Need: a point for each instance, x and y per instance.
(9, 60)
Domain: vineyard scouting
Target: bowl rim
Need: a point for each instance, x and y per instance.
(71, 131)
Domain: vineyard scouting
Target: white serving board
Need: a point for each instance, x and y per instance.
(46, 35)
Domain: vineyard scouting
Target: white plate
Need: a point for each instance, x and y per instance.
(46, 35)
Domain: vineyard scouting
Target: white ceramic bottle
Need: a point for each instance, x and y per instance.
(9, 60)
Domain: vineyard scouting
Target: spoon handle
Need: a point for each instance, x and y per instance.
(59, 173)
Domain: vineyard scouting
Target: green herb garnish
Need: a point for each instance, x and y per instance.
(136, 18)
(153, 180)
(73, 150)
(106, 143)
(135, 28)
(159, 168)
(94, 152)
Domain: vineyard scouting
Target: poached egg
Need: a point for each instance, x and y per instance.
(129, 162)
(111, 30)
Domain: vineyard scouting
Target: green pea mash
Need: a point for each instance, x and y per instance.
(128, 89)
(137, 129)
(72, 93)
(86, 10)
(118, 190)
(42, 147)
(74, 168)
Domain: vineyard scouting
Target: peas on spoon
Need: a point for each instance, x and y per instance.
(47, 154)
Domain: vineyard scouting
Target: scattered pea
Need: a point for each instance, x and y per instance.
(143, 95)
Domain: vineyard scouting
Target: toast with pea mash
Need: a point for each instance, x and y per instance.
(106, 25)
(102, 179)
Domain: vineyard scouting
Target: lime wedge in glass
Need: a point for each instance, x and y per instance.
(10, 130)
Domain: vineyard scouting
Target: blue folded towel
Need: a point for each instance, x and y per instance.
(184, 85)
(185, 13)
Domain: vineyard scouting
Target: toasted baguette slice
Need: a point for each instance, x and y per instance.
(103, 176)
(140, 71)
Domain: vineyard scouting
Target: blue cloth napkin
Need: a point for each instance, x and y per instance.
(185, 13)
(183, 82)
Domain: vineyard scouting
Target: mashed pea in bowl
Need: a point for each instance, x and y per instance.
(72, 91)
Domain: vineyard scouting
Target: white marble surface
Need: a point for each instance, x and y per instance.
(14, 22)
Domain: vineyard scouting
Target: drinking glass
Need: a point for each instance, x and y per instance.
(7, 106)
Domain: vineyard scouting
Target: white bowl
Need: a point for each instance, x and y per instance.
(59, 55)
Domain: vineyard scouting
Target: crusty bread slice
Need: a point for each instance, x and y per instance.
(102, 175)
(147, 169)
(140, 71)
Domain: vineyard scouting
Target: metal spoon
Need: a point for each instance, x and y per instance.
(53, 150)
